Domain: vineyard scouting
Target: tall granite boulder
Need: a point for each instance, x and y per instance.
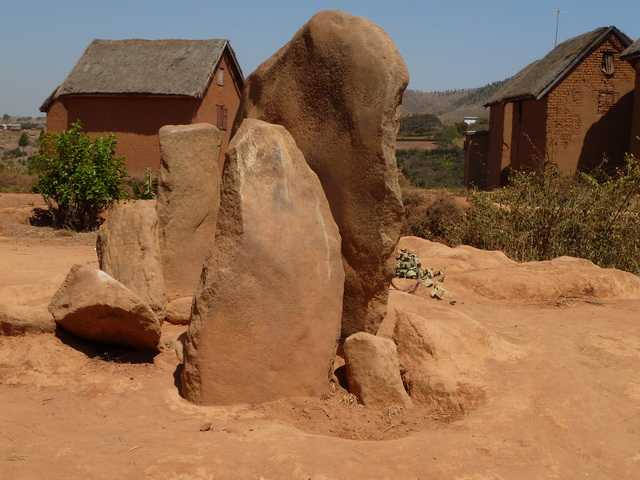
(93, 305)
(128, 250)
(188, 199)
(266, 317)
(337, 87)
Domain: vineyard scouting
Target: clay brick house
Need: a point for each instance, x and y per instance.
(131, 88)
(632, 54)
(572, 107)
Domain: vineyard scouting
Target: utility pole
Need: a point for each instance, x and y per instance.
(557, 12)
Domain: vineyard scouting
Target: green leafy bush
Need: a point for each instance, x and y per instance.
(78, 177)
(442, 167)
(544, 215)
(24, 140)
(145, 188)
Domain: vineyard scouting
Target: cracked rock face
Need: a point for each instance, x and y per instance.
(337, 88)
(187, 205)
(266, 317)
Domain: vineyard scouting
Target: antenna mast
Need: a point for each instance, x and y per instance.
(557, 12)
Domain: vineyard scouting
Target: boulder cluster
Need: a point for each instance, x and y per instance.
(284, 256)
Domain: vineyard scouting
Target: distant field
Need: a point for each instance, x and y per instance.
(415, 144)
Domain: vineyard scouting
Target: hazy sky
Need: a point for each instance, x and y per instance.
(446, 44)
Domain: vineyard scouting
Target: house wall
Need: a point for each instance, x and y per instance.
(496, 142)
(528, 134)
(634, 146)
(227, 95)
(133, 119)
(589, 112)
(476, 155)
(136, 119)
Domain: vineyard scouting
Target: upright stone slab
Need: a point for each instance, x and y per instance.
(266, 316)
(337, 87)
(128, 250)
(188, 199)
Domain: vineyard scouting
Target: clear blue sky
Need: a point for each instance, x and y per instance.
(446, 44)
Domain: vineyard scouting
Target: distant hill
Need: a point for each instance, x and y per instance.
(419, 125)
(450, 105)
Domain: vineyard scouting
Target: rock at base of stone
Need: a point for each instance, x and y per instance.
(266, 317)
(443, 359)
(128, 250)
(94, 306)
(187, 204)
(178, 312)
(20, 320)
(373, 371)
(337, 88)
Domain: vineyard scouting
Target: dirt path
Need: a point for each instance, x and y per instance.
(562, 402)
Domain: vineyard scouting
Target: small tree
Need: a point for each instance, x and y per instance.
(24, 140)
(78, 177)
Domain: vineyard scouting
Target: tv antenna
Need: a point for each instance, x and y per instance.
(557, 13)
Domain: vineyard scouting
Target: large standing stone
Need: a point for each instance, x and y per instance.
(188, 199)
(128, 250)
(266, 317)
(373, 370)
(93, 305)
(336, 87)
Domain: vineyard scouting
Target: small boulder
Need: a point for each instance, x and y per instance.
(128, 250)
(443, 358)
(187, 204)
(266, 316)
(337, 88)
(93, 305)
(373, 371)
(20, 320)
(178, 312)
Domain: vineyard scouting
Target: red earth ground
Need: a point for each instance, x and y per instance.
(560, 379)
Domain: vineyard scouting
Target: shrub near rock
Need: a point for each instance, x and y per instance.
(78, 177)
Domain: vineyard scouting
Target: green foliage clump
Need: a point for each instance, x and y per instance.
(24, 140)
(544, 215)
(409, 266)
(78, 177)
(442, 167)
(145, 188)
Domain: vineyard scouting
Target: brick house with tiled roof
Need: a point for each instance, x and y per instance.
(131, 88)
(632, 54)
(572, 107)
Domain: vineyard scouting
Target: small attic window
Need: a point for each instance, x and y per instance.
(220, 77)
(608, 66)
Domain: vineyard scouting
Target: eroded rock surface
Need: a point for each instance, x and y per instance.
(336, 87)
(267, 314)
(129, 251)
(188, 200)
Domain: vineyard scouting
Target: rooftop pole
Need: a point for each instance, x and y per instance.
(555, 44)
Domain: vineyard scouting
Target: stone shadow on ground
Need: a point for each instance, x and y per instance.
(106, 352)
